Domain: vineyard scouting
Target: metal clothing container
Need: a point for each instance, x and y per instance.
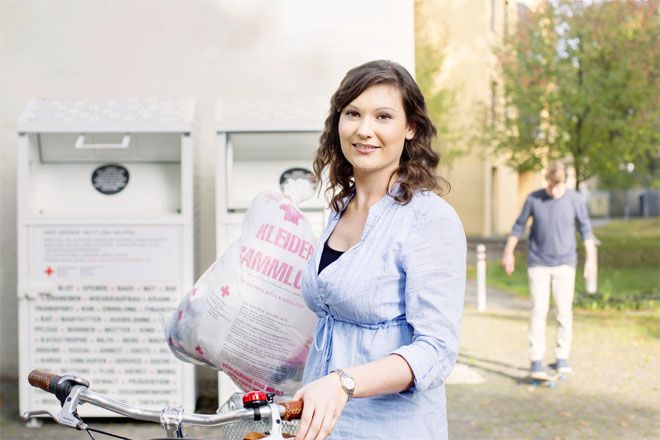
(105, 245)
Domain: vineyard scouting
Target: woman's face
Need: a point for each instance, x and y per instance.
(372, 130)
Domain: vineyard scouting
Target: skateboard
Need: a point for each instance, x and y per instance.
(549, 381)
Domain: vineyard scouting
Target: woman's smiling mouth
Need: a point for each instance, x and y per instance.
(365, 148)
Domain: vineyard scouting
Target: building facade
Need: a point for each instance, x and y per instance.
(486, 193)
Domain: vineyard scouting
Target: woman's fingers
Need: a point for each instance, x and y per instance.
(320, 426)
(299, 394)
(315, 426)
(324, 401)
(327, 426)
(305, 420)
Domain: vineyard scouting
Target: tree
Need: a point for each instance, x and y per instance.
(580, 80)
(429, 58)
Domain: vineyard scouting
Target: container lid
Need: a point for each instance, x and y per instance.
(108, 115)
(291, 114)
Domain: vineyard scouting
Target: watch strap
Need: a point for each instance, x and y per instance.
(343, 375)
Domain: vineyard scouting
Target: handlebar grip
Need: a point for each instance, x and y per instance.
(44, 380)
(292, 409)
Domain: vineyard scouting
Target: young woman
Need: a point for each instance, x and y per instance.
(387, 280)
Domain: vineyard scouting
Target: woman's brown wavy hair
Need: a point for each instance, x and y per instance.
(418, 164)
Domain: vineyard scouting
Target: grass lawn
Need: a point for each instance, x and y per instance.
(628, 268)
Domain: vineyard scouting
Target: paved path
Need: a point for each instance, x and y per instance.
(496, 300)
(614, 393)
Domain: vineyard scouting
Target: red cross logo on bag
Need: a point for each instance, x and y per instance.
(291, 214)
(225, 291)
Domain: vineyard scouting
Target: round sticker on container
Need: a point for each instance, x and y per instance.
(110, 179)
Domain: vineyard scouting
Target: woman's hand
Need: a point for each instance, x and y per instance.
(324, 401)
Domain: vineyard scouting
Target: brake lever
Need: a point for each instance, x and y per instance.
(27, 415)
(68, 420)
(69, 413)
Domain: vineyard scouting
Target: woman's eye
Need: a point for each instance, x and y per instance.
(384, 116)
(352, 114)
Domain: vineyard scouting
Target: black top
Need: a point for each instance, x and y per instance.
(328, 256)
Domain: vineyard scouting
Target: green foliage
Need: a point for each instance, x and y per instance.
(629, 266)
(580, 80)
(429, 58)
(632, 243)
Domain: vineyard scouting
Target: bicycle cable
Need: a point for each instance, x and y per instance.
(104, 433)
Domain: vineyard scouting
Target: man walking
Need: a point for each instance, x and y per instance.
(551, 261)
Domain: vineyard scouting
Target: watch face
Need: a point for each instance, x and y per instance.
(349, 383)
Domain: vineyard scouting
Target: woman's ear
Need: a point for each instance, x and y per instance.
(410, 132)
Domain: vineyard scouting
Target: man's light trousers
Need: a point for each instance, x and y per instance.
(561, 280)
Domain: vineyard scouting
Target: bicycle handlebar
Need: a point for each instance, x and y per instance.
(45, 381)
(292, 409)
(61, 386)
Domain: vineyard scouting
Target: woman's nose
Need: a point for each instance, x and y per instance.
(364, 129)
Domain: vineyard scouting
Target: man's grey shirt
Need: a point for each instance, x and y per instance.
(552, 238)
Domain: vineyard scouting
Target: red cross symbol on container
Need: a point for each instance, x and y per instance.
(225, 291)
(49, 271)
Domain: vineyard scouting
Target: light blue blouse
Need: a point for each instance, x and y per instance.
(399, 290)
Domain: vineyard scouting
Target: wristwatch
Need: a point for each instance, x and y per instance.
(347, 382)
